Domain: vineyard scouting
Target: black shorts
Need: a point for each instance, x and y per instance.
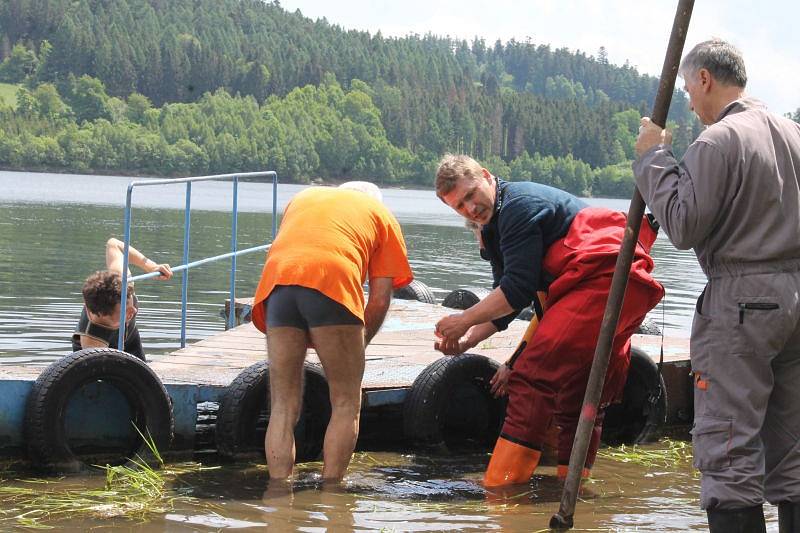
(300, 307)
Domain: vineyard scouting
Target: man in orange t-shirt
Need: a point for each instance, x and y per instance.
(330, 242)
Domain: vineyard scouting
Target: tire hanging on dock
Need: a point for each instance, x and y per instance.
(464, 298)
(467, 297)
(244, 414)
(648, 327)
(49, 442)
(643, 410)
(450, 406)
(416, 290)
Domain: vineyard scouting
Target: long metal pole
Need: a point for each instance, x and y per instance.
(564, 518)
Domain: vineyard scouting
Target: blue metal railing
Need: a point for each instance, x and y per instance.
(184, 268)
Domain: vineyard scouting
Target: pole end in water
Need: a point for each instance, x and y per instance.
(560, 523)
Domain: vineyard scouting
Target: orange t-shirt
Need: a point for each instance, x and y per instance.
(331, 240)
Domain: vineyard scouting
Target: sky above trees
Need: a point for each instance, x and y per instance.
(632, 30)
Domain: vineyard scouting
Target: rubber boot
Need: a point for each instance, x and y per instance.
(788, 517)
(563, 470)
(511, 463)
(746, 520)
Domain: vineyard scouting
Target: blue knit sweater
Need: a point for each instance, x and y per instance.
(528, 218)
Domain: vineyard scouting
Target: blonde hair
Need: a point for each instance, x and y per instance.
(453, 168)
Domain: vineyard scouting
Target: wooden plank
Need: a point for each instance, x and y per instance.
(392, 355)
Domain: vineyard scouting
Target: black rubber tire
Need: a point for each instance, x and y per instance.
(464, 298)
(244, 414)
(526, 314)
(45, 433)
(416, 290)
(643, 410)
(648, 327)
(450, 407)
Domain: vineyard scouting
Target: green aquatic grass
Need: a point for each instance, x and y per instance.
(670, 453)
(133, 491)
(8, 94)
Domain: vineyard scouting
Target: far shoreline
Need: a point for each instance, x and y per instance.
(315, 182)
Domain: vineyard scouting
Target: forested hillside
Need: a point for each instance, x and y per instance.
(173, 87)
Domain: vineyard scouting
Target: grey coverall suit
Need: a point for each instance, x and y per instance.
(735, 199)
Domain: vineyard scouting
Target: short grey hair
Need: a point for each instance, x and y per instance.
(723, 60)
(370, 189)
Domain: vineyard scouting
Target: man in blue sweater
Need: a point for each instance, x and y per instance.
(539, 238)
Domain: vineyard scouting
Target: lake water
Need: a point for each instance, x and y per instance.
(52, 234)
(53, 229)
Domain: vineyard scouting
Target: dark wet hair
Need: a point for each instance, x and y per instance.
(723, 60)
(102, 291)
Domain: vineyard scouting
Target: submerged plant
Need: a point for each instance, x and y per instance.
(672, 453)
(131, 491)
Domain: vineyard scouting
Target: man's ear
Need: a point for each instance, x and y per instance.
(706, 79)
(486, 174)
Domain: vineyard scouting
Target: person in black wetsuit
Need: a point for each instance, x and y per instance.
(98, 326)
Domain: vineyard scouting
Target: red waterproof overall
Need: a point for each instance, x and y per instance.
(549, 378)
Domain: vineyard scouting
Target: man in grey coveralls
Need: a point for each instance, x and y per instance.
(734, 198)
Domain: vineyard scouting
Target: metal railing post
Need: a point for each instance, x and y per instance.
(123, 304)
(274, 205)
(186, 243)
(187, 221)
(234, 224)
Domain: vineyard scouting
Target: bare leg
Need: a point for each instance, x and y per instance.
(341, 351)
(286, 349)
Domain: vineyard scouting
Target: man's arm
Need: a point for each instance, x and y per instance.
(115, 254)
(380, 296)
(688, 197)
(455, 326)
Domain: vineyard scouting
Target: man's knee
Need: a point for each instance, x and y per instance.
(347, 402)
(286, 404)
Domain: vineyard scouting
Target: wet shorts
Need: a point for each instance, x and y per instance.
(300, 307)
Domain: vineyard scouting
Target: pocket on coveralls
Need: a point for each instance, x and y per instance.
(711, 440)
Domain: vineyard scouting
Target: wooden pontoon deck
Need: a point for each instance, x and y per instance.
(398, 353)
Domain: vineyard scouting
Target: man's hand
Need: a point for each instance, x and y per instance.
(164, 268)
(499, 381)
(452, 327)
(650, 135)
(452, 346)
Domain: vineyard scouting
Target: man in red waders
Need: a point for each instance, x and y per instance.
(539, 238)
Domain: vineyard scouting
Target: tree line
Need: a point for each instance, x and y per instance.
(320, 131)
(511, 103)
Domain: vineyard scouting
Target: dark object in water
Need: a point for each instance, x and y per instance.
(63, 438)
(450, 405)
(416, 290)
(643, 410)
(244, 414)
(648, 327)
(464, 298)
